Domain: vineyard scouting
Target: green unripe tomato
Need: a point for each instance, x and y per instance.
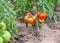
(2, 26)
(6, 36)
(1, 40)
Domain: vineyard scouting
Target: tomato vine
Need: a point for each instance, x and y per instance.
(7, 15)
(21, 7)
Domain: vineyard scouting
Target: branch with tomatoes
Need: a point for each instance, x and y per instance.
(36, 12)
(22, 7)
(8, 28)
(30, 19)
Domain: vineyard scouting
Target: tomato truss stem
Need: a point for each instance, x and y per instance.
(35, 13)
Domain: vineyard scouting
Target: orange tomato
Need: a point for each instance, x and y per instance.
(41, 15)
(30, 20)
(34, 18)
(25, 18)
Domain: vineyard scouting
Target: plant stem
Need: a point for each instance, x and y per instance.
(35, 12)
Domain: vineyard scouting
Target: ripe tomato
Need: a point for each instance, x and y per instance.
(34, 18)
(41, 15)
(1, 40)
(6, 36)
(30, 20)
(25, 18)
(42, 20)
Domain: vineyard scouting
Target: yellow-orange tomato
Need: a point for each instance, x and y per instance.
(41, 15)
(30, 20)
(25, 18)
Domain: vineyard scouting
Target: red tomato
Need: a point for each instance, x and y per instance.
(41, 15)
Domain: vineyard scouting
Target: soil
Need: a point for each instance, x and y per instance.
(49, 33)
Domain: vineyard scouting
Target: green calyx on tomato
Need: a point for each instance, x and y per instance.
(6, 36)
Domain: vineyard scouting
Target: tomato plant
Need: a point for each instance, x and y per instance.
(27, 11)
(7, 17)
(46, 6)
(34, 6)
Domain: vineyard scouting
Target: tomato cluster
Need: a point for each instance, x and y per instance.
(42, 16)
(29, 18)
(4, 34)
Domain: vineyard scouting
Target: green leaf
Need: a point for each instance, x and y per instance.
(55, 18)
(50, 10)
